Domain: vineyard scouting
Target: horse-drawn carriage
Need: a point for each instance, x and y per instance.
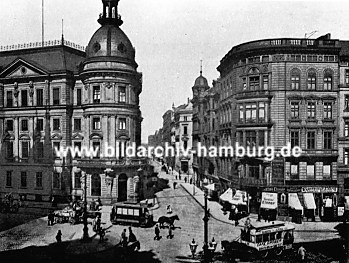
(73, 214)
(167, 220)
(9, 204)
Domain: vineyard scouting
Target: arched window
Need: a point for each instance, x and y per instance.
(311, 80)
(295, 79)
(328, 77)
(96, 185)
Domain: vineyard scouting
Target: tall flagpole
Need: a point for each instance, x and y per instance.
(42, 22)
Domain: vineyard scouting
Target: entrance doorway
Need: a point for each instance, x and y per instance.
(184, 166)
(122, 188)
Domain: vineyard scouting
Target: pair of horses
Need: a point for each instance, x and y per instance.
(169, 220)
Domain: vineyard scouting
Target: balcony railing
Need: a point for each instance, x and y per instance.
(49, 43)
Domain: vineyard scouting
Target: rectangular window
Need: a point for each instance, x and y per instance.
(77, 124)
(24, 125)
(346, 102)
(8, 178)
(40, 150)
(24, 98)
(311, 110)
(311, 82)
(294, 110)
(294, 138)
(56, 180)
(78, 97)
(40, 124)
(254, 112)
(346, 129)
(39, 97)
(311, 170)
(25, 150)
(9, 125)
(96, 147)
(347, 76)
(122, 94)
(9, 149)
(185, 130)
(295, 82)
(327, 110)
(261, 112)
(56, 124)
(251, 138)
(56, 97)
(9, 99)
(328, 83)
(254, 83)
(311, 140)
(77, 180)
(294, 172)
(38, 179)
(244, 84)
(185, 145)
(23, 179)
(241, 113)
(185, 118)
(96, 94)
(56, 146)
(78, 146)
(261, 138)
(265, 82)
(327, 139)
(122, 124)
(96, 123)
(326, 171)
(346, 156)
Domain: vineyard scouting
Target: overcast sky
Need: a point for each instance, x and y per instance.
(171, 37)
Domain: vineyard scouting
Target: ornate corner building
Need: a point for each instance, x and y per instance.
(270, 93)
(55, 95)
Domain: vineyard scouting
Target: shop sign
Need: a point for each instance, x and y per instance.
(340, 210)
(269, 244)
(319, 189)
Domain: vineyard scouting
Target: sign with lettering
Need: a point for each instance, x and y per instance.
(319, 189)
(269, 200)
(269, 244)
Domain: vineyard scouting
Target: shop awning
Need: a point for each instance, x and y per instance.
(269, 200)
(227, 196)
(239, 198)
(210, 187)
(293, 201)
(309, 201)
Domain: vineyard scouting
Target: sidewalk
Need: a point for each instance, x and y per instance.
(305, 232)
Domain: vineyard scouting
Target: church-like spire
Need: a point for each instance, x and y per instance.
(110, 13)
(200, 67)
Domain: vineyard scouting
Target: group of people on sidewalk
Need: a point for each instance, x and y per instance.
(130, 239)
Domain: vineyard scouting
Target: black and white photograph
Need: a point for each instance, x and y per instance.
(187, 131)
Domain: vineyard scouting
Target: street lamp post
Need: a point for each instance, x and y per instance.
(206, 218)
(85, 237)
(193, 247)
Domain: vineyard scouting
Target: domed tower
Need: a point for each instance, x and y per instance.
(110, 109)
(200, 85)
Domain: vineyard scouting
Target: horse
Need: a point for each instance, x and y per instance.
(168, 220)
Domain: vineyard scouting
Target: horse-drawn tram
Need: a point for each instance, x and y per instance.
(275, 237)
(131, 214)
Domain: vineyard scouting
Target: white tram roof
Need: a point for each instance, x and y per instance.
(267, 227)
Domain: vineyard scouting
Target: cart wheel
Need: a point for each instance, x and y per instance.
(263, 254)
(278, 251)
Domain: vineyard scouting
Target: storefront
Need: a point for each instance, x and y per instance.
(240, 200)
(269, 205)
(296, 210)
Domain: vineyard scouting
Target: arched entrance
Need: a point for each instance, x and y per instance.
(96, 185)
(122, 188)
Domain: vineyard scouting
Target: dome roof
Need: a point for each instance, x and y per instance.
(201, 81)
(110, 41)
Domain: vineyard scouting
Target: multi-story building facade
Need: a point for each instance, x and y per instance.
(54, 95)
(168, 135)
(279, 91)
(183, 139)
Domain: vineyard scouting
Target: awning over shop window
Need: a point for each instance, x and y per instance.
(269, 200)
(239, 198)
(309, 201)
(210, 187)
(293, 201)
(227, 196)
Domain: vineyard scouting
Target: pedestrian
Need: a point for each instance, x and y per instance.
(131, 235)
(124, 238)
(157, 232)
(112, 214)
(169, 209)
(170, 235)
(179, 174)
(49, 220)
(59, 236)
(185, 179)
(98, 223)
(101, 234)
(301, 253)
